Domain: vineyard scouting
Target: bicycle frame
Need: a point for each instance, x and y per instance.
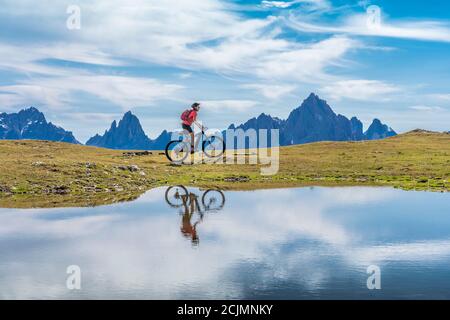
(197, 138)
(188, 198)
(201, 141)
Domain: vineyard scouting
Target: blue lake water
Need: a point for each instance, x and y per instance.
(305, 243)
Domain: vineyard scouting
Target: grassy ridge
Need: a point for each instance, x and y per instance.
(45, 174)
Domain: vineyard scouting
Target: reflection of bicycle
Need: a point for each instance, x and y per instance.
(179, 197)
(177, 151)
(211, 200)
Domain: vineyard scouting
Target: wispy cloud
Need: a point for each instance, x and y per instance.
(363, 90)
(185, 75)
(168, 33)
(228, 105)
(271, 91)
(441, 97)
(312, 4)
(21, 95)
(174, 34)
(59, 92)
(358, 24)
(426, 108)
(56, 86)
(287, 46)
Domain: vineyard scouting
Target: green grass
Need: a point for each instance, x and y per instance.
(49, 174)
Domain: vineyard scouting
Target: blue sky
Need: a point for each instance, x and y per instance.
(239, 58)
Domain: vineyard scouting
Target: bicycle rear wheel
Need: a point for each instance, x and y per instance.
(177, 151)
(174, 196)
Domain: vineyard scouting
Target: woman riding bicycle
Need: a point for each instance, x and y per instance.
(189, 117)
(179, 149)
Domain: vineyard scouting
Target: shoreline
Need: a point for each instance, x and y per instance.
(50, 174)
(39, 201)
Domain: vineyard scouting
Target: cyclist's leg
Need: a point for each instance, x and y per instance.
(192, 142)
(191, 133)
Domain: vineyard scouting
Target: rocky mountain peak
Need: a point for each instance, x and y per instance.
(378, 130)
(128, 134)
(30, 123)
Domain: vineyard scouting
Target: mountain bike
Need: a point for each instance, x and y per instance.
(212, 146)
(190, 209)
(212, 200)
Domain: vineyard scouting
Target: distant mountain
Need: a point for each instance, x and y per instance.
(161, 141)
(312, 121)
(357, 129)
(378, 130)
(315, 121)
(31, 124)
(128, 135)
(262, 122)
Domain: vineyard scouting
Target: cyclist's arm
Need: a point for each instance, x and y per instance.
(198, 125)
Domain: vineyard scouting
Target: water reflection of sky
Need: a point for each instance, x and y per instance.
(292, 243)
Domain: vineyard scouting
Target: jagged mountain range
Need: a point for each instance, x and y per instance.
(312, 121)
(128, 135)
(315, 121)
(31, 124)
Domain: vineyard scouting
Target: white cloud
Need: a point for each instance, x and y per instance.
(278, 4)
(58, 92)
(126, 92)
(29, 94)
(176, 33)
(291, 234)
(357, 24)
(271, 91)
(185, 75)
(228, 105)
(413, 252)
(92, 117)
(55, 86)
(20, 59)
(441, 96)
(312, 4)
(426, 108)
(306, 63)
(194, 35)
(363, 90)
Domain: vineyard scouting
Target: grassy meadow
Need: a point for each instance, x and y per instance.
(50, 174)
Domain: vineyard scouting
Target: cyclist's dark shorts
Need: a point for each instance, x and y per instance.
(187, 128)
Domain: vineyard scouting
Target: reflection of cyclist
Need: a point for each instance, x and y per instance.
(189, 117)
(187, 229)
(179, 197)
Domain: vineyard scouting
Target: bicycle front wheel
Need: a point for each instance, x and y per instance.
(177, 151)
(213, 200)
(213, 147)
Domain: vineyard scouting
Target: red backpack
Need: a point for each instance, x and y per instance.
(185, 115)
